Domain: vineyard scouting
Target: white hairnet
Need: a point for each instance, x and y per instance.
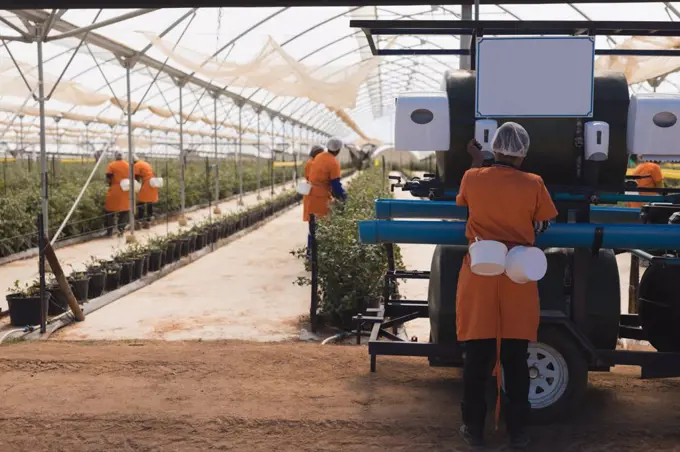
(335, 144)
(511, 139)
(316, 149)
(134, 157)
(118, 155)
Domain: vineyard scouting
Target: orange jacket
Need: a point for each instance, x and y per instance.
(324, 169)
(652, 176)
(148, 193)
(118, 200)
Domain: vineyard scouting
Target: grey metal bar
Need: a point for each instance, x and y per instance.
(131, 162)
(43, 144)
(258, 155)
(30, 90)
(217, 163)
(240, 155)
(182, 188)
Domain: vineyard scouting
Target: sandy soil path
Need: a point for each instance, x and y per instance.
(193, 396)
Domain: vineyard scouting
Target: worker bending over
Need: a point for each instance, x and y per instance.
(650, 177)
(147, 195)
(117, 201)
(316, 150)
(495, 317)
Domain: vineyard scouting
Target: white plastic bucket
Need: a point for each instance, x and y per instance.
(525, 263)
(156, 182)
(125, 185)
(487, 257)
(304, 187)
(138, 187)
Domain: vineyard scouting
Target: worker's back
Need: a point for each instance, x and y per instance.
(324, 169)
(503, 203)
(650, 172)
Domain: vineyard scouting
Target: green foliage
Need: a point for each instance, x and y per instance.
(350, 273)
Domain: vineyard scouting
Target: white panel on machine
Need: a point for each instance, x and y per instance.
(596, 141)
(653, 128)
(535, 77)
(485, 129)
(422, 122)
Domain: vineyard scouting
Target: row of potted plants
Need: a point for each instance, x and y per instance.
(134, 262)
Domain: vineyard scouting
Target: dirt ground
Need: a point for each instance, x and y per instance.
(237, 396)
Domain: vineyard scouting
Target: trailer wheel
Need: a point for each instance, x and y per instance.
(558, 375)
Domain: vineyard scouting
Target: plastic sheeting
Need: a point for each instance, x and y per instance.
(639, 69)
(274, 70)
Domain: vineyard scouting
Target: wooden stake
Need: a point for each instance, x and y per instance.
(63, 283)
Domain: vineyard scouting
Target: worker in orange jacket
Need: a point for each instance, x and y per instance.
(496, 317)
(316, 150)
(650, 177)
(117, 201)
(147, 195)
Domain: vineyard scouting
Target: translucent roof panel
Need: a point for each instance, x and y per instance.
(91, 98)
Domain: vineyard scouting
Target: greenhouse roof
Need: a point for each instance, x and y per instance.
(87, 51)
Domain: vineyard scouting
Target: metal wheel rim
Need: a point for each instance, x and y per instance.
(549, 375)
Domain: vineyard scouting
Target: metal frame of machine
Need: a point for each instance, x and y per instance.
(392, 313)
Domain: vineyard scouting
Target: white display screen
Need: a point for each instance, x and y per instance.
(535, 77)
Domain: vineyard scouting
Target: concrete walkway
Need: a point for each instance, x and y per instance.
(102, 248)
(243, 291)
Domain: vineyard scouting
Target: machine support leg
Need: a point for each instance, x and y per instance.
(374, 359)
(633, 283)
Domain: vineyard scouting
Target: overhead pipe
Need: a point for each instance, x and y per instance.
(386, 209)
(605, 198)
(575, 235)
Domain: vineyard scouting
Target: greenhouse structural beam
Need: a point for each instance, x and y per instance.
(97, 25)
(122, 51)
(88, 4)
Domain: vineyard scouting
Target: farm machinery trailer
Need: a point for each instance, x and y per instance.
(583, 158)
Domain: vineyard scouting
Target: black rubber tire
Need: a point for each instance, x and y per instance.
(577, 380)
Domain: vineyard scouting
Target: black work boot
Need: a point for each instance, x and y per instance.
(516, 419)
(472, 436)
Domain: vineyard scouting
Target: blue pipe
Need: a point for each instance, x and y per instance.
(575, 235)
(603, 198)
(386, 209)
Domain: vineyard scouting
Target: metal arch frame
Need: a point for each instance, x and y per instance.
(123, 51)
(344, 55)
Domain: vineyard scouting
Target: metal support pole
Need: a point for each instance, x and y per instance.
(131, 163)
(633, 283)
(314, 304)
(258, 155)
(240, 155)
(181, 151)
(273, 158)
(217, 162)
(43, 144)
(41, 268)
(465, 40)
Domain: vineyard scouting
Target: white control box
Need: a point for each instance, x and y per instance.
(422, 122)
(596, 141)
(485, 129)
(653, 127)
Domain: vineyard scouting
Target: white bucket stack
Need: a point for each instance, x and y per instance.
(304, 188)
(487, 257)
(125, 185)
(522, 264)
(156, 182)
(525, 263)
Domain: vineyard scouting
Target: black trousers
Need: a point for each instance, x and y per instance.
(109, 220)
(144, 211)
(480, 358)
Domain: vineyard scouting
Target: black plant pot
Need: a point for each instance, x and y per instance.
(24, 311)
(192, 243)
(138, 268)
(81, 289)
(155, 261)
(177, 253)
(185, 247)
(113, 279)
(96, 284)
(58, 301)
(126, 272)
(200, 241)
